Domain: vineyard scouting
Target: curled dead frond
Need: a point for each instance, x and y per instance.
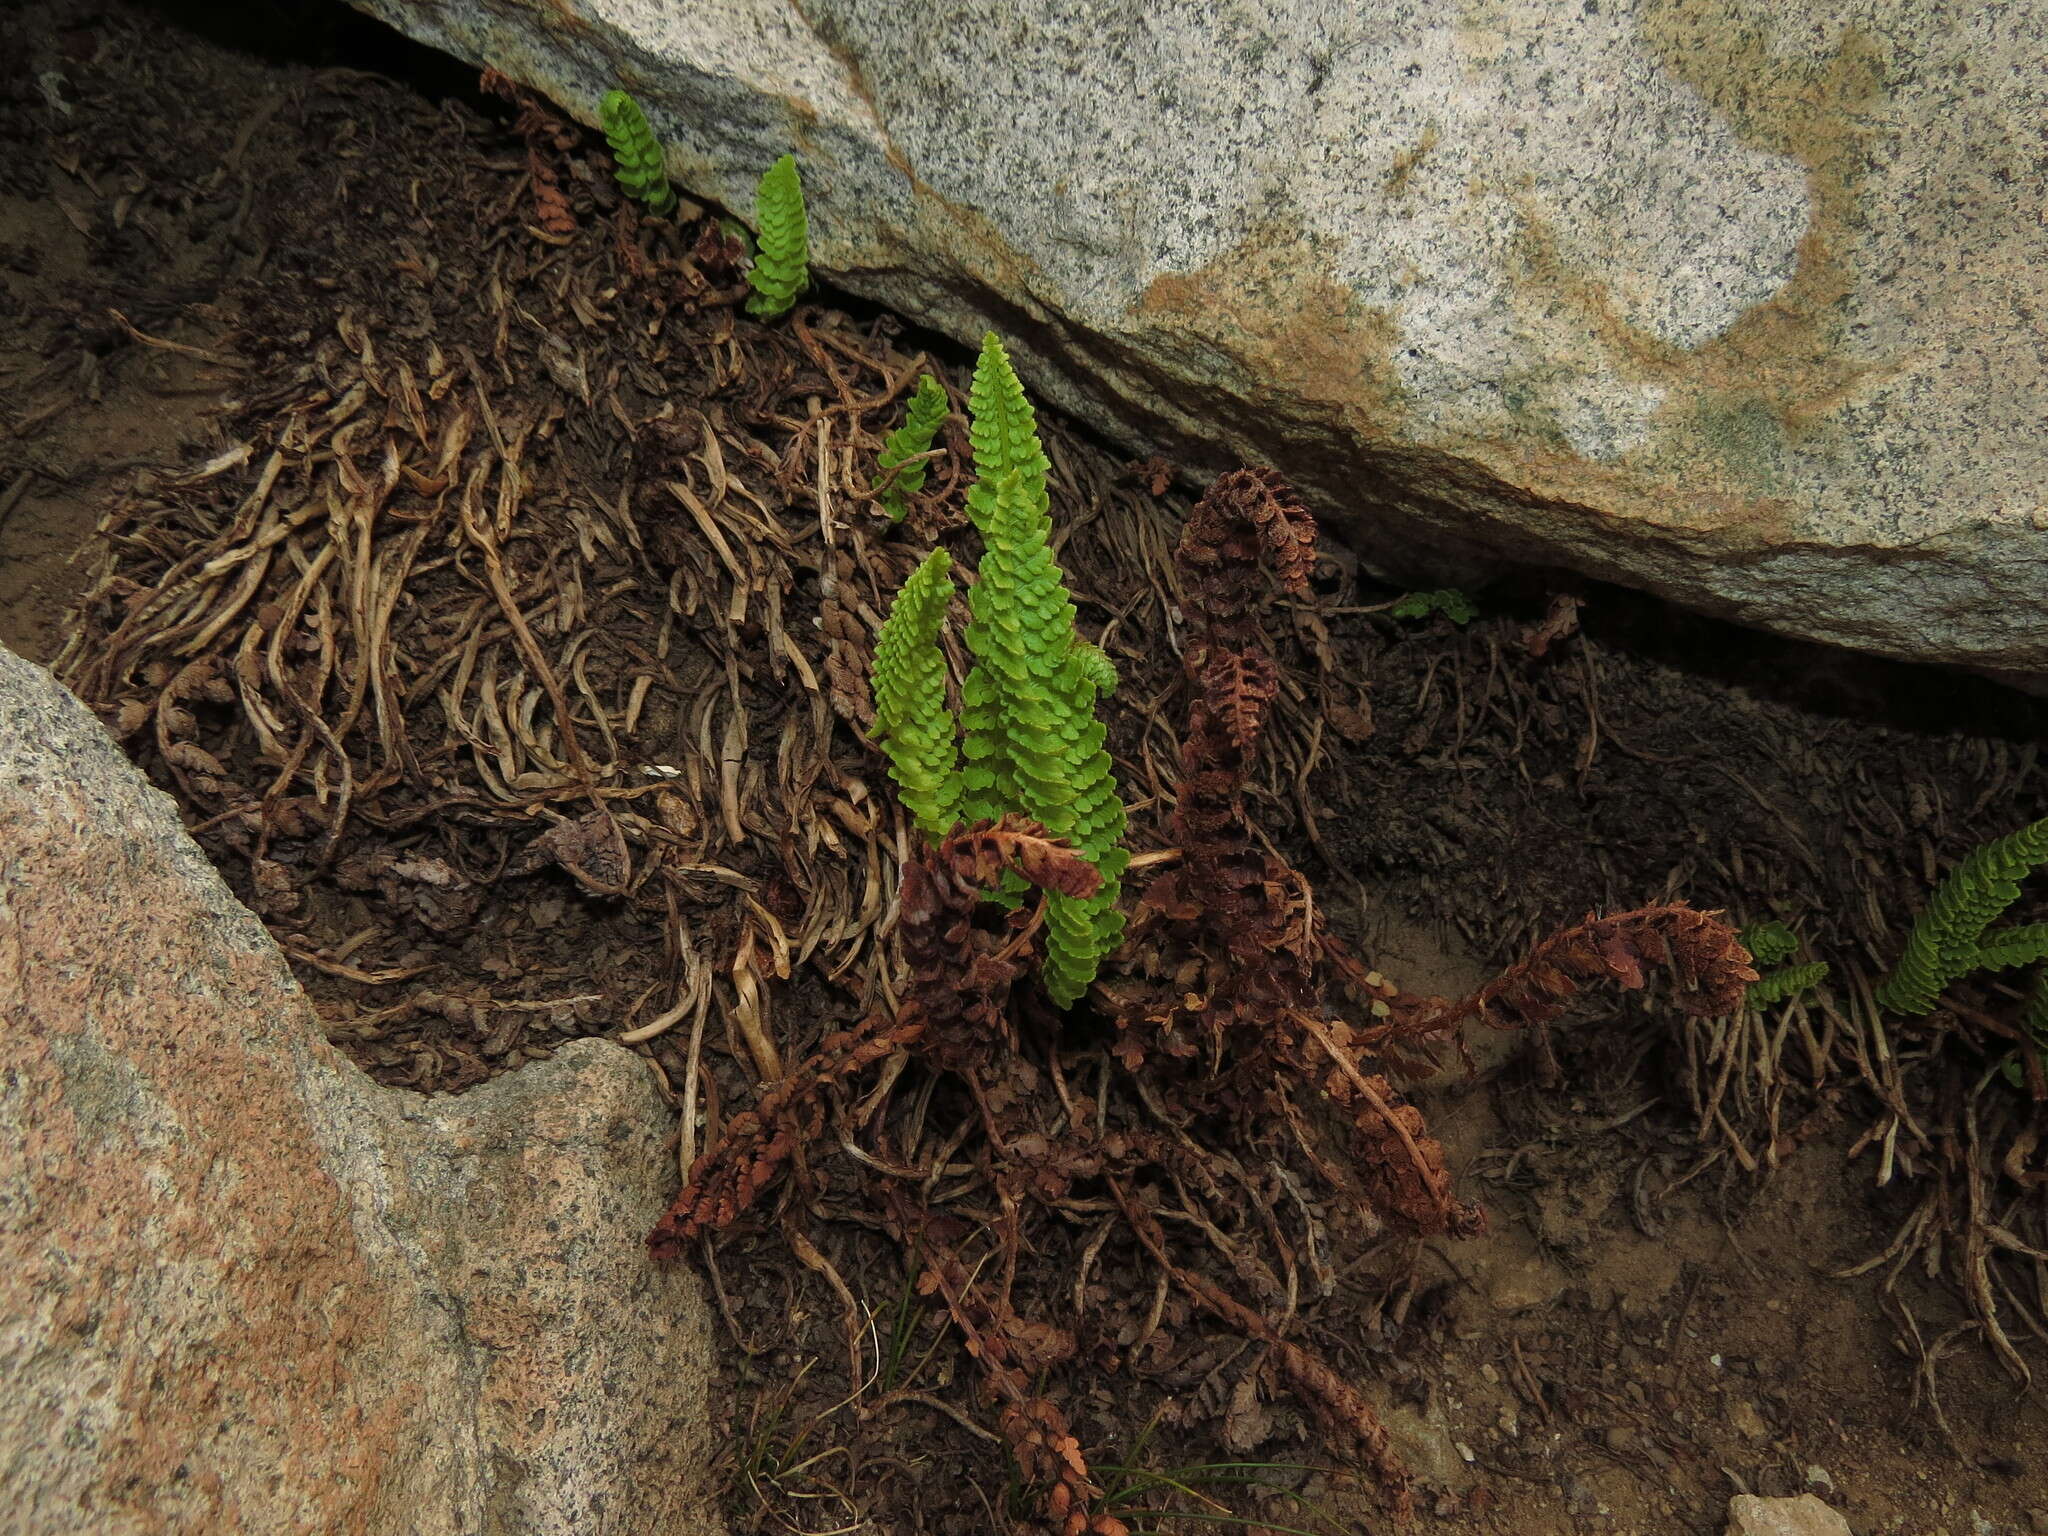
(1702, 953)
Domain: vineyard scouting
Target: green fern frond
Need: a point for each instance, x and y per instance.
(1786, 981)
(1946, 937)
(1039, 693)
(2008, 947)
(1768, 943)
(1448, 601)
(1003, 430)
(782, 265)
(636, 153)
(927, 412)
(912, 723)
(1095, 662)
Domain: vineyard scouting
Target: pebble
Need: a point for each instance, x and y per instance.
(1749, 1515)
(1743, 1415)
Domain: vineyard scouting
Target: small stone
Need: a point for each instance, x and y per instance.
(1749, 1515)
(1525, 1286)
(2037, 1521)
(1619, 1437)
(1747, 1421)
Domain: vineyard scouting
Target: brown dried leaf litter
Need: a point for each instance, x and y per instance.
(498, 661)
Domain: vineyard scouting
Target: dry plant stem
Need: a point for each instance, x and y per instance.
(1337, 1403)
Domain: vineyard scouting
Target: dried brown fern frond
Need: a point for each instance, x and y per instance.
(1702, 952)
(954, 1004)
(730, 1176)
(1012, 1352)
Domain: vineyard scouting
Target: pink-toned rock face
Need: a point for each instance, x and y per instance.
(243, 1288)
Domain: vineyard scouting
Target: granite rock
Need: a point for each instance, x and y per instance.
(243, 1288)
(1736, 303)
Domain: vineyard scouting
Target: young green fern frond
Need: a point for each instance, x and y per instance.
(1003, 429)
(928, 408)
(1786, 981)
(782, 264)
(1768, 942)
(1947, 937)
(1097, 667)
(636, 152)
(915, 728)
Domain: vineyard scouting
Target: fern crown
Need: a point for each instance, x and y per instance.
(1029, 741)
(782, 264)
(636, 153)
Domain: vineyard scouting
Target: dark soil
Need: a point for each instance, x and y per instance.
(379, 467)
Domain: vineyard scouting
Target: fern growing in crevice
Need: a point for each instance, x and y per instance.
(782, 261)
(1030, 743)
(636, 153)
(1948, 940)
(901, 460)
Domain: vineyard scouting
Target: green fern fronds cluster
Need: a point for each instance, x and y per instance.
(1949, 939)
(928, 408)
(1770, 943)
(1448, 601)
(636, 152)
(1028, 739)
(782, 263)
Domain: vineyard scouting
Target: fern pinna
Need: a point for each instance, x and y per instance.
(782, 263)
(1948, 940)
(904, 448)
(1030, 744)
(636, 153)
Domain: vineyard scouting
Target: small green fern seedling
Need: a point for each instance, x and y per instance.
(901, 460)
(1448, 601)
(636, 153)
(1027, 740)
(1949, 938)
(782, 263)
(1769, 944)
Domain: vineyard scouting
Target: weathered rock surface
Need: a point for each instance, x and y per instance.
(243, 1288)
(1738, 303)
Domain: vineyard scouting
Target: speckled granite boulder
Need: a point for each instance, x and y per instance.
(1739, 303)
(244, 1289)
